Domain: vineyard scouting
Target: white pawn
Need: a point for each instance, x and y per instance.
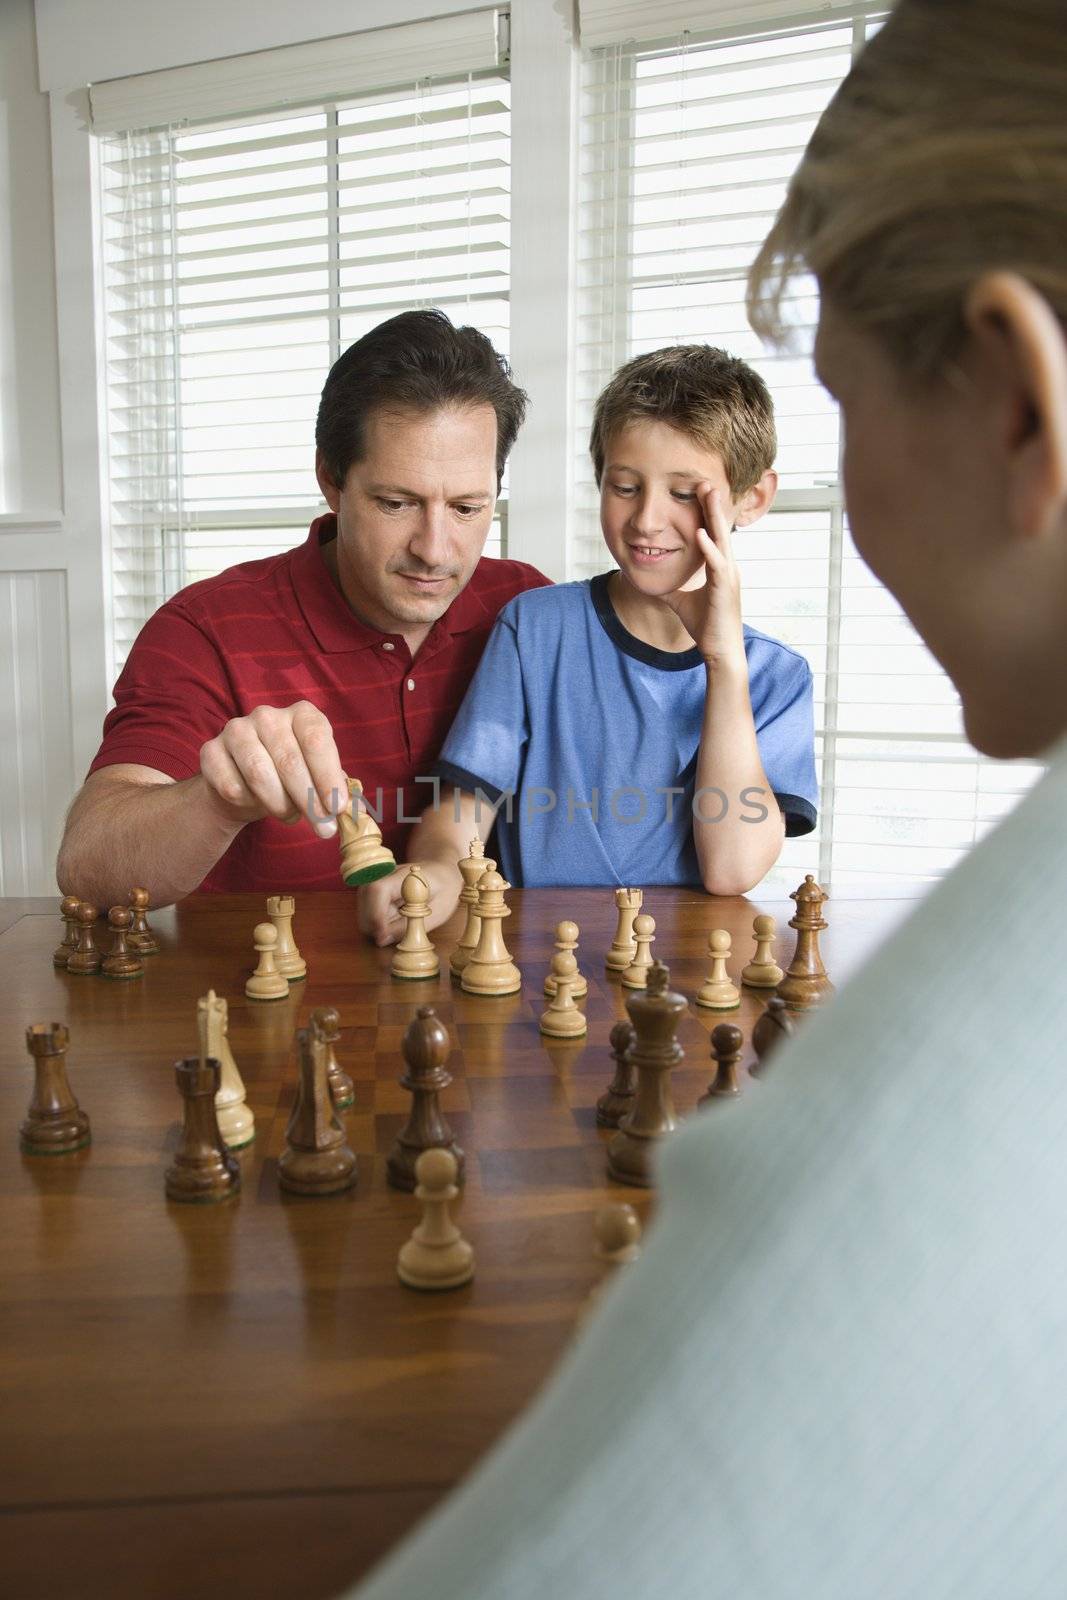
(287, 958)
(636, 974)
(266, 983)
(415, 956)
(617, 1229)
(236, 1123)
(561, 1018)
(717, 992)
(567, 939)
(763, 972)
(436, 1256)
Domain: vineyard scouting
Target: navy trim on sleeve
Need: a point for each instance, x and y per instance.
(461, 779)
(800, 815)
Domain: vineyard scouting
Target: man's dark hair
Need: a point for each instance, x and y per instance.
(416, 362)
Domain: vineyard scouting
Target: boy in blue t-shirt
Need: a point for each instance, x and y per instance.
(630, 729)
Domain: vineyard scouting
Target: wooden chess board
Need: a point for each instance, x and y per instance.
(242, 1398)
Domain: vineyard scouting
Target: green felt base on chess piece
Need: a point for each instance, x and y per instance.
(378, 869)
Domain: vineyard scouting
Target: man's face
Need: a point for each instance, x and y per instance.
(413, 514)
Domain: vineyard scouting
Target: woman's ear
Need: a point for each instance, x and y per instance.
(1020, 347)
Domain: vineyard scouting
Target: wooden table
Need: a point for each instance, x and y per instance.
(242, 1399)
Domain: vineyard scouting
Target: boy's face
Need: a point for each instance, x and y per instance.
(649, 510)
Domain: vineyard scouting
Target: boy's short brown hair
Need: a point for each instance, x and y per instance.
(715, 398)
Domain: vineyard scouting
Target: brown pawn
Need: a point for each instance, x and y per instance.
(203, 1169)
(805, 983)
(772, 1028)
(316, 1160)
(68, 910)
(342, 1090)
(655, 1013)
(121, 963)
(86, 958)
(141, 939)
(618, 1098)
(55, 1123)
(727, 1041)
(425, 1049)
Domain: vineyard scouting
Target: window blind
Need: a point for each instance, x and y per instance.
(241, 256)
(685, 150)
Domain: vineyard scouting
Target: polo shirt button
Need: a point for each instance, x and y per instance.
(411, 683)
(388, 645)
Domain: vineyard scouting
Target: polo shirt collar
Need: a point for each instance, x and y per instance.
(336, 627)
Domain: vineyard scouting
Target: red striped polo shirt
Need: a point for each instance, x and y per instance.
(275, 631)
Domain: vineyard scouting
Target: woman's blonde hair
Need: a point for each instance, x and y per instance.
(942, 156)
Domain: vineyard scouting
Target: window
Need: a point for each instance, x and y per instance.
(242, 254)
(686, 148)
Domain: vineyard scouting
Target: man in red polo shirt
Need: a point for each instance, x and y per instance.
(248, 698)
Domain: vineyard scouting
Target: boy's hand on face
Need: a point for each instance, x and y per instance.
(712, 612)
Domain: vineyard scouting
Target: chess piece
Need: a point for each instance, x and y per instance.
(772, 1028)
(287, 958)
(425, 1048)
(363, 855)
(805, 983)
(727, 1042)
(316, 1159)
(636, 973)
(561, 1018)
(415, 956)
(471, 869)
(655, 1014)
(86, 958)
(266, 983)
(763, 972)
(141, 938)
(618, 1098)
(436, 1256)
(203, 1169)
(55, 1124)
(236, 1122)
(567, 939)
(490, 970)
(617, 1230)
(717, 993)
(623, 948)
(342, 1089)
(68, 910)
(122, 962)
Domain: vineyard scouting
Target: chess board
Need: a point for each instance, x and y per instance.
(242, 1398)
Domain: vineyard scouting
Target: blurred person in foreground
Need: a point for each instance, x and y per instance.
(840, 1368)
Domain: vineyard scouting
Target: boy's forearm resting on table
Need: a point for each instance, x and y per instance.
(735, 846)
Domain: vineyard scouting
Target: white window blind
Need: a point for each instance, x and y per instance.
(241, 256)
(685, 151)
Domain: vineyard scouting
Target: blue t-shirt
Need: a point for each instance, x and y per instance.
(588, 740)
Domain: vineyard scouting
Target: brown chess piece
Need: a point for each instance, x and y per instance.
(655, 1013)
(623, 947)
(55, 1124)
(805, 983)
(141, 939)
(773, 1027)
(342, 1090)
(363, 855)
(203, 1169)
(471, 869)
(425, 1048)
(727, 1042)
(86, 958)
(415, 956)
(316, 1159)
(490, 970)
(121, 963)
(436, 1256)
(618, 1098)
(68, 910)
(567, 940)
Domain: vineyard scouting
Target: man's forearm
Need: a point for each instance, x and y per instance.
(163, 837)
(735, 847)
